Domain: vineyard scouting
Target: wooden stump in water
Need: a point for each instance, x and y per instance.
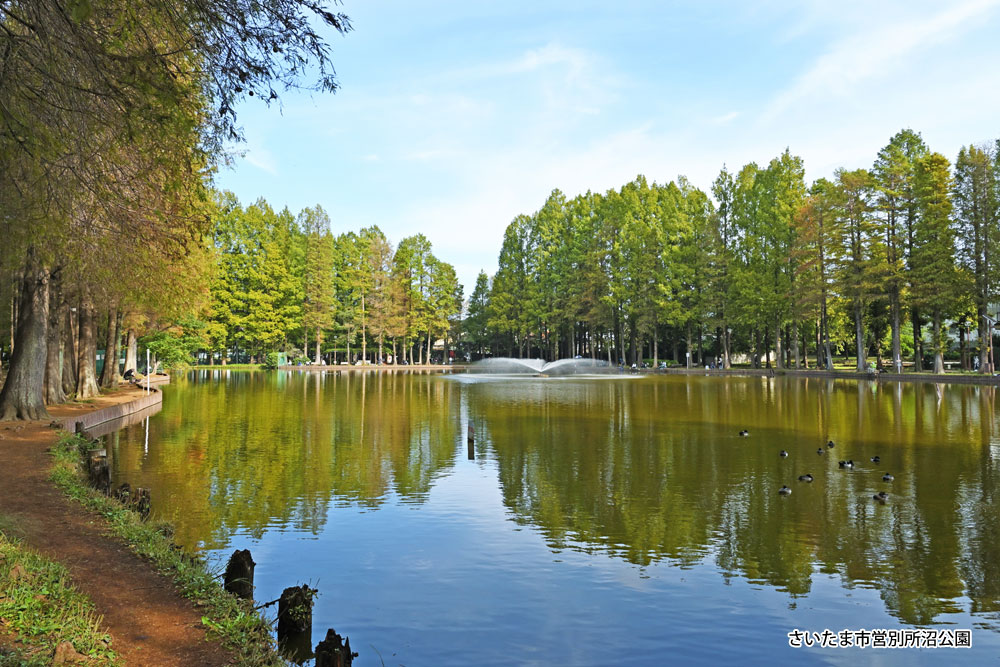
(295, 611)
(141, 499)
(98, 470)
(297, 648)
(334, 651)
(124, 494)
(239, 574)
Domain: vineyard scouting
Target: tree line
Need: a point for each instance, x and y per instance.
(877, 263)
(283, 282)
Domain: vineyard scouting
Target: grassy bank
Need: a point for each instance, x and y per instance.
(241, 628)
(42, 610)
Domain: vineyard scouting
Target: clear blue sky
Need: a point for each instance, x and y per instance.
(454, 117)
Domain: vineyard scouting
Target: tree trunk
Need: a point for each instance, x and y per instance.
(795, 347)
(364, 332)
(897, 346)
(86, 364)
(918, 344)
(859, 333)
(726, 359)
(819, 343)
(319, 340)
(767, 349)
(938, 347)
(827, 352)
(962, 352)
(22, 395)
(633, 343)
(54, 394)
(67, 344)
(984, 342)
(701, 347)
(109, 374)
(687, 348)
(132, 351)
(778, 355)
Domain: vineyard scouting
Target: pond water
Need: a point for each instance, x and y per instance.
(600, 521)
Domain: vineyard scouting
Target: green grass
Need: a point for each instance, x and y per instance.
(234, 621)
(41, 608)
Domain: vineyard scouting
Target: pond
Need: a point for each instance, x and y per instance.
(594, 521)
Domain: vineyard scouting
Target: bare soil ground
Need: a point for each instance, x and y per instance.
(150, 623)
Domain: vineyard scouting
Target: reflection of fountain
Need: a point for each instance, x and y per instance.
(540, 368)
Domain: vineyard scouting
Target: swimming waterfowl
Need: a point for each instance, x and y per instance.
(887, 477)
(829, 443)
(876, 459)
(785, 491)
(846, 464)
(782, 453)
(805, 478)
(820, 450)
(744, 433)
(881, 497)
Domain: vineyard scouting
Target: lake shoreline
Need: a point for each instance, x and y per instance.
(31, 505)
(948, 378)
(956, 378)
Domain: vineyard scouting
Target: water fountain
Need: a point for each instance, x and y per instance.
(540, 367)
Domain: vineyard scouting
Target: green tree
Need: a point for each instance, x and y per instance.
(977, 232)
(318, 287)
(815, 235)
(477, 321)
(936, 279)
(857, 276)
(905, 147)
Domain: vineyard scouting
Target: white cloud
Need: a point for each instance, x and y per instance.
(261, 158)
(876, 50)
(726, 118)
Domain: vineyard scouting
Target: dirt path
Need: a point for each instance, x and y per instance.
(150, 623)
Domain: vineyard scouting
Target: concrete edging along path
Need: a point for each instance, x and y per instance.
(87, 421)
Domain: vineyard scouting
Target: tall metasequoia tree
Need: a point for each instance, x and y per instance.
(976, 217)
(908, 147)
(816, 233)
(318, 284)
(936, 279)
(854, 192)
